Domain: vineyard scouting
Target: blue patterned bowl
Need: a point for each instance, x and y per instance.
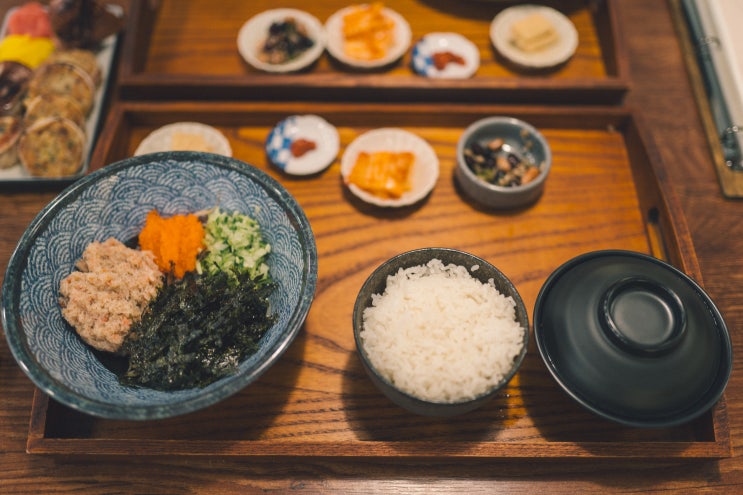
(114, 201)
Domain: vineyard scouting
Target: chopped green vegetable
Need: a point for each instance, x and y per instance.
(197, 330)
(233, 244)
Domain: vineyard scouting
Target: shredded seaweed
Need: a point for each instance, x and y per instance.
(197, 330)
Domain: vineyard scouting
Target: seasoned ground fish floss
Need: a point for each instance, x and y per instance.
(108, 292)
(441, 335)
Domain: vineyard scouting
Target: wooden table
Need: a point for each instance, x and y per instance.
(661, 95)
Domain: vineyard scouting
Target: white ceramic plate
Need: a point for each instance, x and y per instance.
(425, 171)
(253, 34)
(432, 43)
(105, 56)
(162, 139)
(560, 52)
(311, 128)
(336, 42)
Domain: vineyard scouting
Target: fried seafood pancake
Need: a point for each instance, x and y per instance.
(63, 78)
(52, 147)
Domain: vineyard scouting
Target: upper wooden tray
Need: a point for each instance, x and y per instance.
(189, 51)
(606, 190)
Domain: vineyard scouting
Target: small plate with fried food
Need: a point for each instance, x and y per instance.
(390, 167)
(534, 36)
(367, 36)
(185, 136)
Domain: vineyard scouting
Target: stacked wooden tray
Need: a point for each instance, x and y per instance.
(156, 64)
(607, 190)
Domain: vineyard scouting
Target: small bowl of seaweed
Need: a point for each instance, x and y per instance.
(114, 203)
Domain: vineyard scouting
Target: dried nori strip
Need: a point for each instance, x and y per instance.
(197, 330)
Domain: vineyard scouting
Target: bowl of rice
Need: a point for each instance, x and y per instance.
(440, 331)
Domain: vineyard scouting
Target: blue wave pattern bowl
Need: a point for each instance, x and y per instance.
(114, 201)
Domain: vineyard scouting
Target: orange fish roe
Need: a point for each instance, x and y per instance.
(175, 241)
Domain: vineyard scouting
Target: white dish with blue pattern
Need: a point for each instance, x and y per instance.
(432, 43)
(309, 127)
(113, 202)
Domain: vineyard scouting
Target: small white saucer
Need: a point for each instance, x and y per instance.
(162, 139)
(253, 34)
(560, 52)
(425, 171)
(432, 43)
(336, 42)
(309, 127)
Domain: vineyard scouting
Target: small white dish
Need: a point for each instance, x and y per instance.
(433, 43)
(336, 41)
(253, 34)
(162, 139)
(425, 170)
(310, 127)
(560, 52)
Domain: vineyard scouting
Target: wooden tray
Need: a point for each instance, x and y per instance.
(159, 60)
(607, 189)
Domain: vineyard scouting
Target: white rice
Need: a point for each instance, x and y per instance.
(441, 335)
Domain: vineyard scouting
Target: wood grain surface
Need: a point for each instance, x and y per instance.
(317, 401)
(661, 97)
(156, 62)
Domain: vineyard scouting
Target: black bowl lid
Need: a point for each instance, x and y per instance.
(632, 338)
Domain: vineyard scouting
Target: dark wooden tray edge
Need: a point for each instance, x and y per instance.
(37, 444)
